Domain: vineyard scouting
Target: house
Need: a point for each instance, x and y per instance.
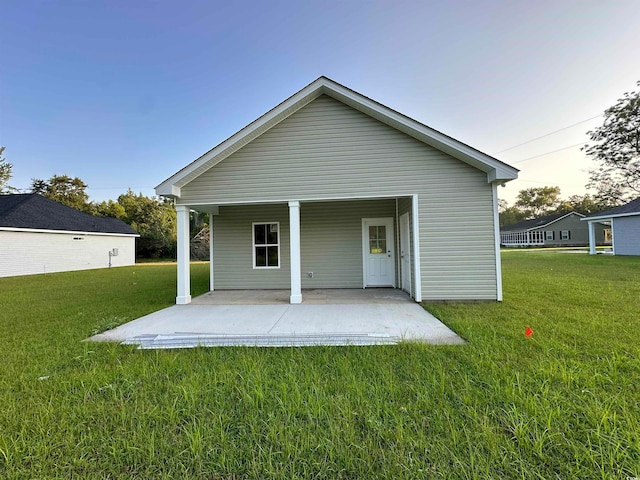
(39, 235)
(331, 189)
(624, 222)
(558, 230)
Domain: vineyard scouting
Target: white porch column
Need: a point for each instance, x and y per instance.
(496, 233)
(416, 249)
(592, 238)
(294, 251)
(184, 269)
(211, 252)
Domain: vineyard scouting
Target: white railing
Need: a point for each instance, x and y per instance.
(522, 239)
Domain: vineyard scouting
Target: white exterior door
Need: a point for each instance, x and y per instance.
(405, 253)
(378, 248)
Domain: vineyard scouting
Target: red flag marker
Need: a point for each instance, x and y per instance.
(528, 332)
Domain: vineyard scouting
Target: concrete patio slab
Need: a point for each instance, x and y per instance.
(387, 317)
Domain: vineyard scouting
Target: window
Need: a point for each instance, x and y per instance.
(565, 235)
(378, 239)
(266, 245)
(607, 235)
(548, 235)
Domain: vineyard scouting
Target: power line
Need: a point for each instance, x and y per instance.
(549, 153)
(547, 134)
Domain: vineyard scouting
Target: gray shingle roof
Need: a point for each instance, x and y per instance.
(30, 210)
(628, 208)
(534, 222)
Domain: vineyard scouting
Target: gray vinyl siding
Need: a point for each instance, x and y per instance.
(330, 237)
(579, 232)
(626, 235)
(331, 241)
(233, 248)
(329, 150)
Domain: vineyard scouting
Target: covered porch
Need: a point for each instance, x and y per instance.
(337, 243)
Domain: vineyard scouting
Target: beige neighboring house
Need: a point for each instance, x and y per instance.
(38, 235)
(331, 189)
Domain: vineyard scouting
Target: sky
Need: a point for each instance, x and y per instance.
(125, 93)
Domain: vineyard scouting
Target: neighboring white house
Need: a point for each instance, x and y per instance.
(625, 228)
(38, 235)
(331, 189)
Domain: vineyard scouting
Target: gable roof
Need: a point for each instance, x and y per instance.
(627, 210)
(496, 170)
(537, 222)
(35, 212)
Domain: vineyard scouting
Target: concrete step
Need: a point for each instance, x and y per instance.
(191, 340)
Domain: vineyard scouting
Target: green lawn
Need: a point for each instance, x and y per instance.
(561, 404)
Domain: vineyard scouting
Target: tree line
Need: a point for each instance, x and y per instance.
(541, 201)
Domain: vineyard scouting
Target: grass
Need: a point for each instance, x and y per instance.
(563, 403)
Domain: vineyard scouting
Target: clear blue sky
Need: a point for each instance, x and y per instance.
(124, 93)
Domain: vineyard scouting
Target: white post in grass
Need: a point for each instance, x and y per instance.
(184, 269)
(592, 238)
(294, 251)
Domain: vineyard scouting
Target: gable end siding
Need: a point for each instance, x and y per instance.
(328, 150)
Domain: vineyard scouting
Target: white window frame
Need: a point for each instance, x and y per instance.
(548, 235)
(253, 246)
(562, 235)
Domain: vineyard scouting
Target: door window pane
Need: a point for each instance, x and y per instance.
(377, 239)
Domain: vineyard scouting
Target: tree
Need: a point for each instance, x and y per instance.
(509, 215)
(5, 174)
(154, 220)
(108, 209)
(616, 147)
(64, 189)
(584, 204)
(538, 201)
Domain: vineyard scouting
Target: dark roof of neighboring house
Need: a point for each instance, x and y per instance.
(30, 210)
(627, 209)
(536, 222)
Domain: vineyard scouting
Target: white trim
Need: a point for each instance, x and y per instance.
(196, 206)
(183, 254)
(416, 248)
(294, 253)
(396, 232)
(613, 239)
(253, 243)
(365, 247)
(402, 285)
(211, 270)
(607, 217)
(497, 241)
(592, 238)
(74, 232)
(495, 169)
